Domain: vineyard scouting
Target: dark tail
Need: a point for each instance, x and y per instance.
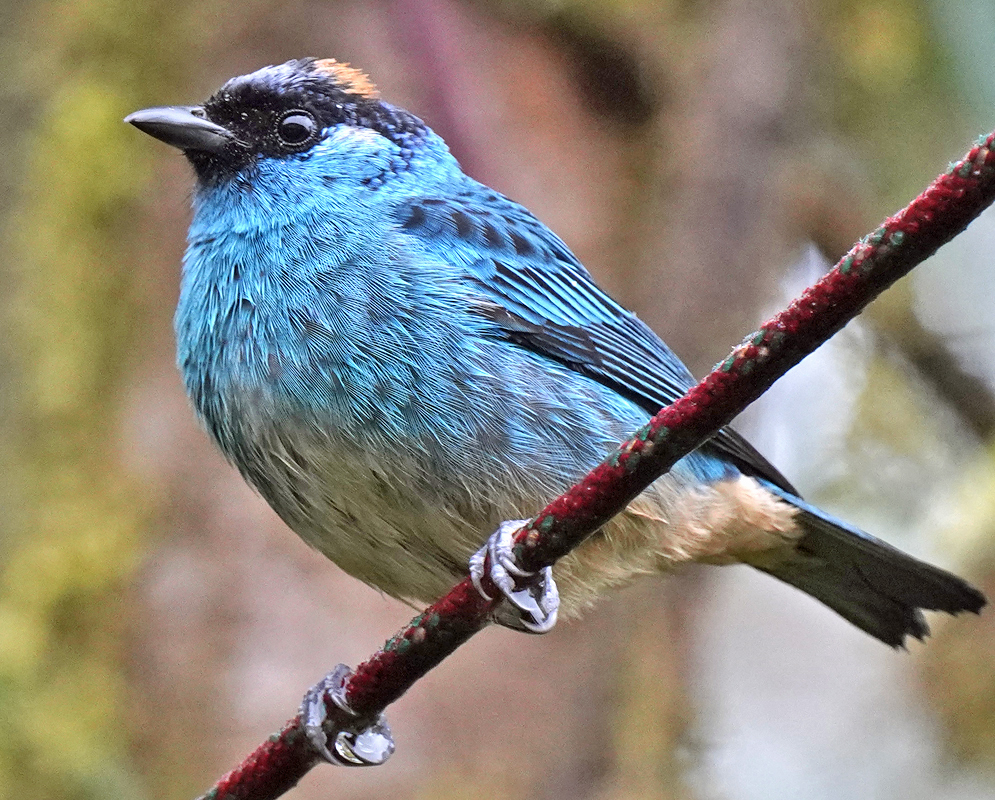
(879, 589)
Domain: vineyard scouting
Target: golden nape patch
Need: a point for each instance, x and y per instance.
(349, 78)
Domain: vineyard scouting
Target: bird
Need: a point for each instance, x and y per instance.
(404, 362)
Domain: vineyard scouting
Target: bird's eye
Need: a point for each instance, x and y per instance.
(296, 128)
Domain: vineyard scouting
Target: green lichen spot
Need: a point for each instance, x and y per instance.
(747, 366)
(726, 365)
(546, 523)
(758, 337)
(897, 238)
(403, 645)
(965, 170)
(434, 620)
(846, 265)
(632, 461)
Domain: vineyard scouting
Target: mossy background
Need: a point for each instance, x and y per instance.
(156, 620)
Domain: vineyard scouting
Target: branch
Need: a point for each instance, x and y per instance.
(874, 263)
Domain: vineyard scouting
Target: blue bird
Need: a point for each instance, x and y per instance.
(401, 361)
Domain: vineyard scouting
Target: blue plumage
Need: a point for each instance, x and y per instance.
(399, 358)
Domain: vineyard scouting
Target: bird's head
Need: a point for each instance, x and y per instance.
(287, 114)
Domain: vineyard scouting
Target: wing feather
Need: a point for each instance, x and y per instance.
(541, 298)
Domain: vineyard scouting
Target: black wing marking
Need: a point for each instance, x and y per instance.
(540, 297)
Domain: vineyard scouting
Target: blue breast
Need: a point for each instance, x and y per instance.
(320, 321)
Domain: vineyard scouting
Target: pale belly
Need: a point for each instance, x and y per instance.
(393, 519)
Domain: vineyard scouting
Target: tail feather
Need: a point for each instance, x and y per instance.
(878, 588)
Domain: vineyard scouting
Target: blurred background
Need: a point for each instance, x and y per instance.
(706, 160)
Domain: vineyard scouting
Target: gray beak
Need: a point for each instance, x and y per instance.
(185, 127)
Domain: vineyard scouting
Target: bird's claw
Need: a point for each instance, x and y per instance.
(355, 742)
(533, 594)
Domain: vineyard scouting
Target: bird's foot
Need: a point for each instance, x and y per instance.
(355, 742)
(533, 596)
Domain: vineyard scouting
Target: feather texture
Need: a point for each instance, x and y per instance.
(399, 358)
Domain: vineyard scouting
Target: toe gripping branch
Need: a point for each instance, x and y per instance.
(328, 720)
(531, 597)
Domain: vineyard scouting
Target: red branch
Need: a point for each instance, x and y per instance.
(874, 263)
